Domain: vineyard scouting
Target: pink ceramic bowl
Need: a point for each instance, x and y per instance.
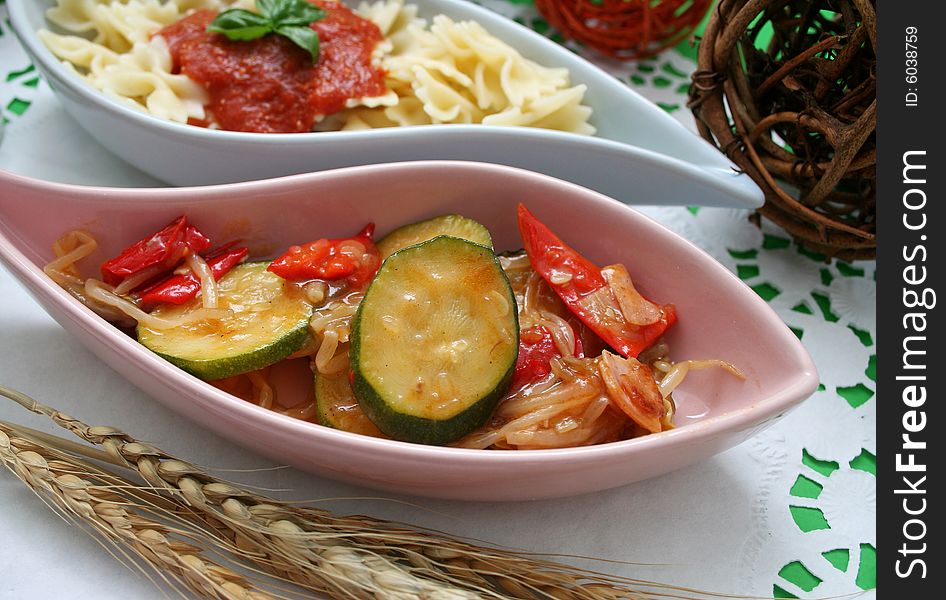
(719, 316)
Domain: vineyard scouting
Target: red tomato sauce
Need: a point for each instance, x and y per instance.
(269, 85)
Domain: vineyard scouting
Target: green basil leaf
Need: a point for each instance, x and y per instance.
(299, 12)
(289, 18)
(239, 24)
(303, 36)
(269, 8)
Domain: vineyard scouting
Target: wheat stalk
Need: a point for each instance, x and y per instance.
(340, 556)
(128, 530)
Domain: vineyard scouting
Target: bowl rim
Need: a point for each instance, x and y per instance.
(800, 386)
(705, 162)
(28, 38)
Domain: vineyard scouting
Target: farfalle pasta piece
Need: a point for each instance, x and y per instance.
(78, 52)
(442, 101)
(562, 110)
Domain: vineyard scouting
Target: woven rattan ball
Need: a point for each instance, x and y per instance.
(625, 29)
(787, 89)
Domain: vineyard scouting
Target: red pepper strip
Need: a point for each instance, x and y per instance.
(324, 259)
(165, 248)
(536, 349)
(178, 289)
(574, 278)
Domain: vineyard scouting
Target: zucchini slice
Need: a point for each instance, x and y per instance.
(435, 340)
(269, 321)
(453, 225)
(338, 408)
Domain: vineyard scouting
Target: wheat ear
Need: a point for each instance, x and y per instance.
(129, 533)
(350, 557)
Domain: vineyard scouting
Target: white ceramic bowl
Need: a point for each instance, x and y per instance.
(720, 317)
(630, 129)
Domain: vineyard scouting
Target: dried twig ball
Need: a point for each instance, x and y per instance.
(787, 89)
(625, 29)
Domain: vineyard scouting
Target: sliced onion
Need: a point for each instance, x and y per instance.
(678, 371)
(562, 333)
(316, 291)
(326, 350)
(97, 291)
(133, 281)
(479, 440)
(548, 392)
(264, 393)
(208, 287)
(540, 415)
(603, 305)
(337, 364)
(636, 309)
(632, 389)
(81, 243)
